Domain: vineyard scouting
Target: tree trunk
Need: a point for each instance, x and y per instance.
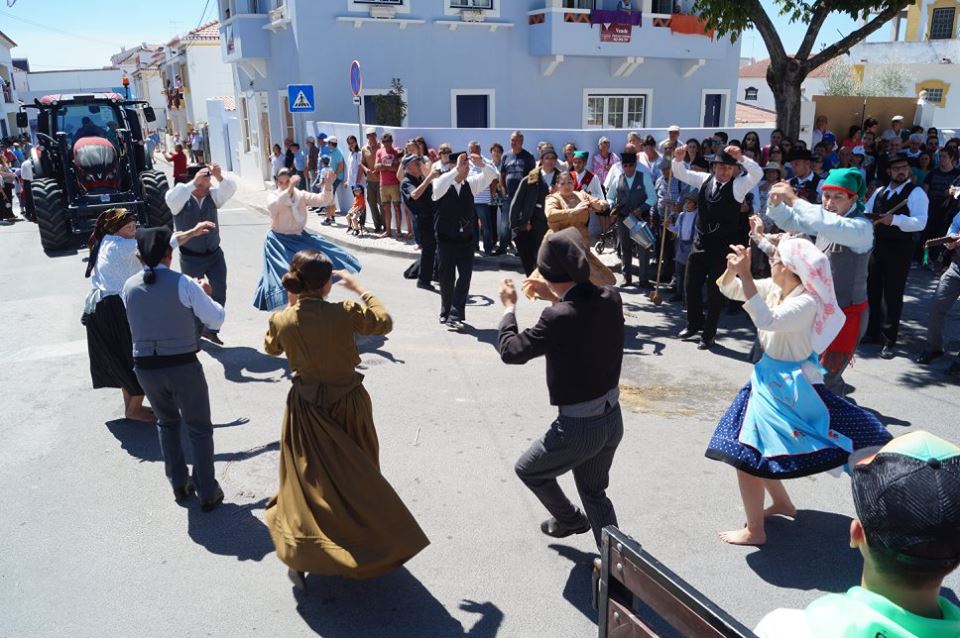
(785, 80)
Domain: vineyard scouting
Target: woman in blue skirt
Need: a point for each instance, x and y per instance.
(287, 236)
(784, 423)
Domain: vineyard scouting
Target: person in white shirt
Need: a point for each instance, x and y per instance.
(673, 135)
(895, 130)
(191, 203)
(899, 211)
(455, 224)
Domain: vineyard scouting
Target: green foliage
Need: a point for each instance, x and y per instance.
(391, 107)
(732, 18)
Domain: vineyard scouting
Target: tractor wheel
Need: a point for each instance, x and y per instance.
(155, 187)
(51, 214)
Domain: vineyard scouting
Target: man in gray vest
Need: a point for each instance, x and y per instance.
(842, 231)
(633, 195)
(197, 201)
(163, 308)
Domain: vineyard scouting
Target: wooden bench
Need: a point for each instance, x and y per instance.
(638, 597)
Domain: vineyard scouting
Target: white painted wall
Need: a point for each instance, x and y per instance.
(88, 80)
(810, 86)
(209, 76)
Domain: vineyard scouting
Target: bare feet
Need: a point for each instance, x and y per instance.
(141, 414)
(777, 509)
(743, 537)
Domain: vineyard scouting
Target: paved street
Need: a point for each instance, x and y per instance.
(92, 543)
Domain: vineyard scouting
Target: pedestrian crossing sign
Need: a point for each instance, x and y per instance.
(300, 98)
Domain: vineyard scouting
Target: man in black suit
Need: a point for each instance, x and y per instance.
(528, 220)
(581, 335)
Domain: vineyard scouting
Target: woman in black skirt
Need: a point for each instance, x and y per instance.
(113, 259)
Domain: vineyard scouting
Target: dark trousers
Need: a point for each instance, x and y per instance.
(629, 248)
(6, 202)
(213, 267)
(428, 247)
(586, 446)
(487, 215)
(178, 394)
(373, 201)
(886, 283)
(456, 271)
(503, 226)
(528, 245)
(704, 267)
(948, 289)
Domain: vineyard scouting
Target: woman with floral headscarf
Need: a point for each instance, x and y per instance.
(784, 423)
(113, 260)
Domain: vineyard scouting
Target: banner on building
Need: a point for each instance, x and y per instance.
(615, 32)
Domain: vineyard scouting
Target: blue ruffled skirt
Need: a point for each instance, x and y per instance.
(862, 429)
(278, 251)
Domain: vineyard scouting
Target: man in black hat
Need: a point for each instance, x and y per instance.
(632, 195)
(581, 336)
(417, 192)
(899, 210)
(805, 182)
(907, 530)
(528, 220)
(455, 221)
(719, 224)
(163, 308)
(195, 201)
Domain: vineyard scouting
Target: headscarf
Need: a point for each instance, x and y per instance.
(108, 223)
(809, 263)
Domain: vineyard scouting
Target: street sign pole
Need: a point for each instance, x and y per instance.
(356, 84)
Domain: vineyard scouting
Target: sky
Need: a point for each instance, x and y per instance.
(87, 32)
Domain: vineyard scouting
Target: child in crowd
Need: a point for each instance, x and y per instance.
(325, 179)
(355, 216)
(684, 227)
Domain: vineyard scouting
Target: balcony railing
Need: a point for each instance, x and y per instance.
(558, 32)
(243, 37)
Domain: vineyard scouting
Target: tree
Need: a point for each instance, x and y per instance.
(391, 107)
(889, 80)
(786, 73)
(840, 80)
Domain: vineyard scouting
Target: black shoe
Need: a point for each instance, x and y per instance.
(886, 352)
(626, 283)
(180, 494)
(688, 332)
(927, 356)
(211, 503)
(211, 336)
(456, 324)
(705, 344)
(556, 529)
(444, 319)
(498, 252)
(871, 340)
(423, 286)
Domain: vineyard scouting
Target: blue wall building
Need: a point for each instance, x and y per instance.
(535, 64)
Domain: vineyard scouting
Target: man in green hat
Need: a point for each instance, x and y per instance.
(842, 231)
(907, 499)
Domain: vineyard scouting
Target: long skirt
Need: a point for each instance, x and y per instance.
(335, 514)
(278, 251)
(110, 346)
(862, 428)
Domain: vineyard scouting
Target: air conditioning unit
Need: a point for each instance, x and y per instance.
(382, 11)
(471, 15)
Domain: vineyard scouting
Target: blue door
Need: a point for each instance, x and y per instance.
(473, 111)
(712, 103)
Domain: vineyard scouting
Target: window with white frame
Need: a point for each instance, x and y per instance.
(941, 23)
(472, 4)
(615, 110)
(934, 95)
(752, 93)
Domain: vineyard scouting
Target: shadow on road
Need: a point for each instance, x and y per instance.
(239, 361)
(141, 441)
(794, 557)
(374, 345)
(577, 590)
(230, 530)
(341, 608)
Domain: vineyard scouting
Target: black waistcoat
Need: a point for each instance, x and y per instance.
(454, 215)
(718, 217)
(881, 205)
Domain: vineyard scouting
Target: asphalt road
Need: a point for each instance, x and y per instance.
(92, 544)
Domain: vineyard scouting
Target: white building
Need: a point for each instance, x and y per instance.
(753, 90)
(143, 72)
(66, 81)
(8, 91)
(924, 43)
(192, 71)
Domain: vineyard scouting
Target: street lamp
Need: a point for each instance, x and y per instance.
(126, 85)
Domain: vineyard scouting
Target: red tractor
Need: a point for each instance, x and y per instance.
(90, 157)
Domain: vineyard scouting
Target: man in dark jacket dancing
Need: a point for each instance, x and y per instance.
(581, 335)
(528, 220)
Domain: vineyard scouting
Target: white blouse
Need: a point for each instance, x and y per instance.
(116, 262)
(785, 327)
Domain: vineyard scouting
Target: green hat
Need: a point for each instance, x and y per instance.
(849, 180)
(581, 155)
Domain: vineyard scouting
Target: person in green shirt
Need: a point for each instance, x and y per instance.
(907, 499)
